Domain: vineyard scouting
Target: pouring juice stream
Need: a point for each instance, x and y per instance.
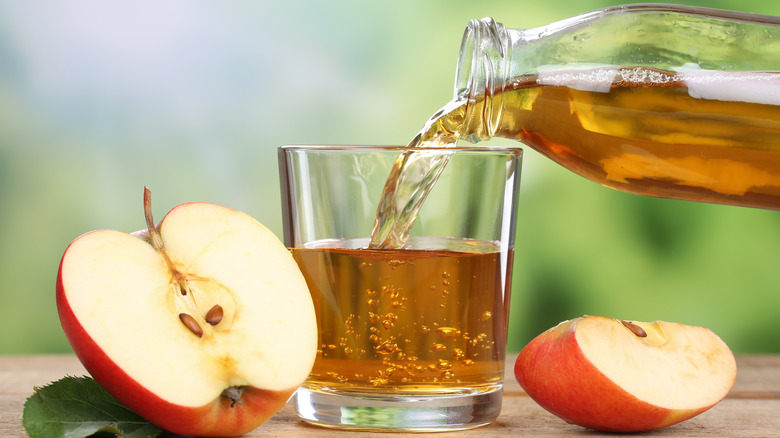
(705, 131)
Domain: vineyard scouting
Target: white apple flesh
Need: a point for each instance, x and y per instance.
(207, 335)
(620, 376)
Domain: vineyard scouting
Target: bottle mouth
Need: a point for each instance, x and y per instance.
(483, 68)
(464, 71)
(484, 51)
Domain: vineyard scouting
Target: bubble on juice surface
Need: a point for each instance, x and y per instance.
(396, 263)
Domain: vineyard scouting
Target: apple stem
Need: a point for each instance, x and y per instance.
(157, 242)
(154, 235)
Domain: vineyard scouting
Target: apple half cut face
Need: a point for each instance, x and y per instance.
(203, 325)
(626, 376)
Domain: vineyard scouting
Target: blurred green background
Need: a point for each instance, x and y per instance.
(98, 99)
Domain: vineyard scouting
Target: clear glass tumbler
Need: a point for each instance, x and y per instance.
(411, 337)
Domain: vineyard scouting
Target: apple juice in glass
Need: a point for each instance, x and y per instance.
(413, 337)
(422, 320)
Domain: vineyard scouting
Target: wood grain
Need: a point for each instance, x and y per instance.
(752, 409)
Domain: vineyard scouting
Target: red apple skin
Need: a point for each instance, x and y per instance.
(216, 419)
(554, 372)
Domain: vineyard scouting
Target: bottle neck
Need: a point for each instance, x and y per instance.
(482, 74)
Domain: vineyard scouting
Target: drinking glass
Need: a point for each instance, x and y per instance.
(411, 337)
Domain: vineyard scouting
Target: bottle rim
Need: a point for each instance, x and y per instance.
(483, 70)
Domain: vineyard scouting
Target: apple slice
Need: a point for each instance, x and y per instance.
(625, 376)
(204, 325)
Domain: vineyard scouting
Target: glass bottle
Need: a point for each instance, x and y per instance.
(658, 100)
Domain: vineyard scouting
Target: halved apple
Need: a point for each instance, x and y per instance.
(203, 325)
(626, 376)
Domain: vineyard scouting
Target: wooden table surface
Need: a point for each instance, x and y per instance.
(752, 409)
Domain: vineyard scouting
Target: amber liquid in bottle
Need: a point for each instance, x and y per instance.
(700, 136)
(412, 320)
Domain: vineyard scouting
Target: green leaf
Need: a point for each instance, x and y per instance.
(78, 407)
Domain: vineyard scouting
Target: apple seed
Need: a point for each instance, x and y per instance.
(635, 329)
(191, 324)
(214, 315)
